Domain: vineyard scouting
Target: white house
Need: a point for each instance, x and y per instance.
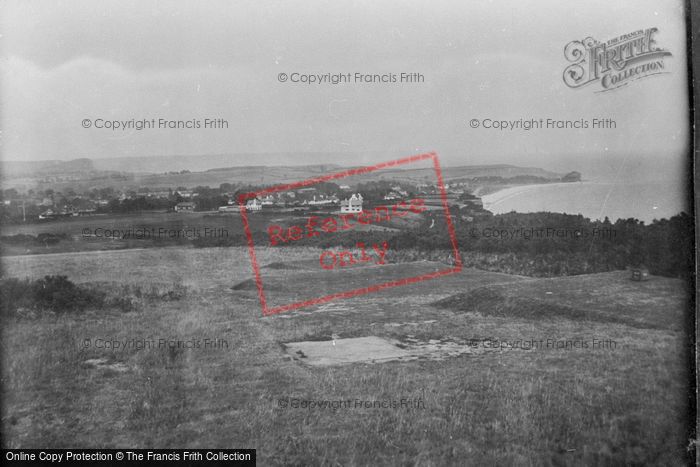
(254, 205)
(354, 204)
(184, 207)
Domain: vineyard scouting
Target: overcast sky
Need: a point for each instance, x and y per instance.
(62, 62)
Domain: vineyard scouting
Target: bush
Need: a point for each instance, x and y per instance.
(59, 294)
(56, 294)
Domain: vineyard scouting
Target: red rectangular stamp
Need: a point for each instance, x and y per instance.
(352, 216)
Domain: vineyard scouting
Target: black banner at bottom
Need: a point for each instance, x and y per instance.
(173, 457)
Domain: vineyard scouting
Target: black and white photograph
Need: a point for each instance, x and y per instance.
(348, 232)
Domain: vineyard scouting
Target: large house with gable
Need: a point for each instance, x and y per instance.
(353, 204)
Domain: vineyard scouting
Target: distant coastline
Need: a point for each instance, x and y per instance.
(592, 199)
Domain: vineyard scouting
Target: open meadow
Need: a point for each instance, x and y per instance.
(505, 369)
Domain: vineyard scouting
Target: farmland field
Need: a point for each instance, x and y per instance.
(620, 401)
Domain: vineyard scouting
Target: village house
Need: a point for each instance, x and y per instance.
(159, 194)
(324, 200)
(354, 204)
(268, 200)
(185, 194)
(254, 204)
(184, 207)
(48, 214)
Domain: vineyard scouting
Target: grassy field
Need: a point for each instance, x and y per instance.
(543, 406)
(126, 231)
(158, 229)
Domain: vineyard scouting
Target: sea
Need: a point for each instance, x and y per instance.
(595, 200)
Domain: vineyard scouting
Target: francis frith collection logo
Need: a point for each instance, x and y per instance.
(614, 63)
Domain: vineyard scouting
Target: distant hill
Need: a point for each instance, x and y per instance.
(254, 175)
(470, 171)
(268, 175)
(155, 164)
(11, 169)
(217, 162)
(202, 163)
(213, 170)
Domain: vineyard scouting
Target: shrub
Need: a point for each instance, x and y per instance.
(55, 294)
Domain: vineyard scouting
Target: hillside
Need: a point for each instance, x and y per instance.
(213, 170)
(264, 175)
(208, 162)
(228, 162)
(489, 394)
(259, 175)
(611, 298)
(13, 169)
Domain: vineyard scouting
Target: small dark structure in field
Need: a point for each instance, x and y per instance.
(639, 274)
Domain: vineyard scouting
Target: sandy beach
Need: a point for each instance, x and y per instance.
(492, 200)
(592, 199)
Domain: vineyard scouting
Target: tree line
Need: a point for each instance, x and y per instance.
(579, 245)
